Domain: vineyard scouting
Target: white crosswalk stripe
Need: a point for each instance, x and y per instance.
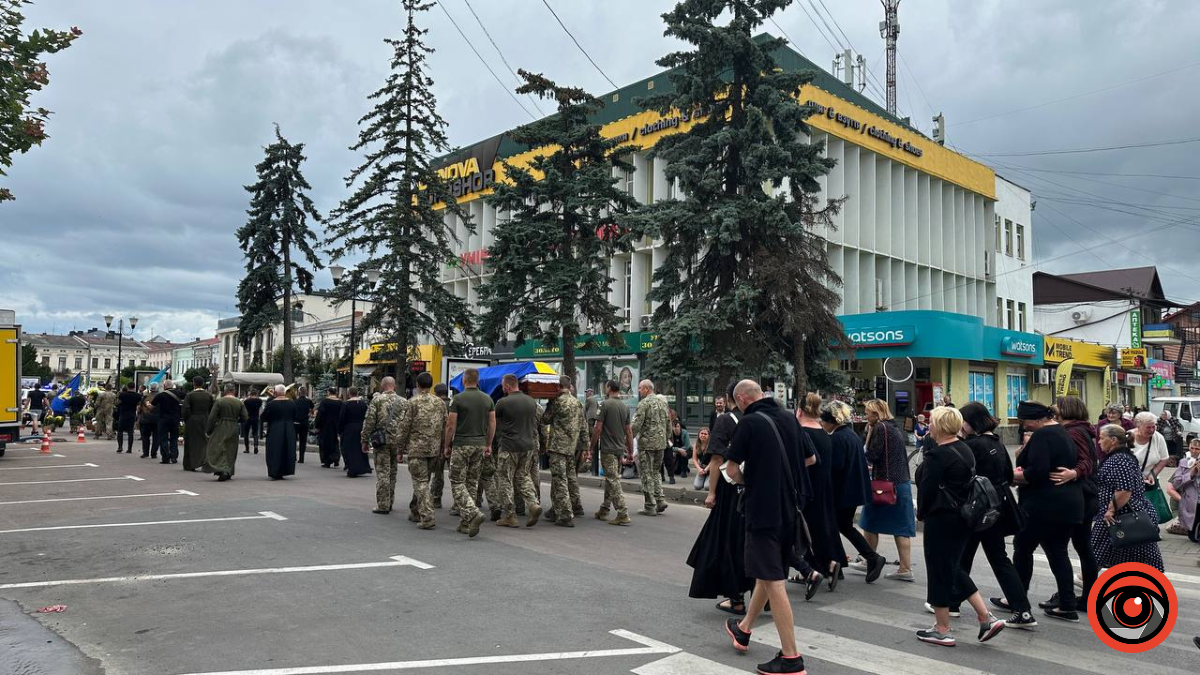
(863, 656)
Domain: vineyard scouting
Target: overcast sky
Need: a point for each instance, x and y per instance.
(162, 109)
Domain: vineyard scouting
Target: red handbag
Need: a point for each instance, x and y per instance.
(883, 492)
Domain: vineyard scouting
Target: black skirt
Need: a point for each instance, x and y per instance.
(718, 556)
(948, 584)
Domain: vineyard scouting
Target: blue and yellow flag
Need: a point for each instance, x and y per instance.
(59, 404)
(159, 376)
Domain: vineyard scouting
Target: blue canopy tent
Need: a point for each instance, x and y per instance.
(490, 377)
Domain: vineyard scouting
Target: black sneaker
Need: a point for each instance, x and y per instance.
(1196, 641)
(990, 628)
(875, 568)
(1049, 604)
(1022, 620)
(740, 638)
(934, 636)
(783, 664)
(1001, 603)
(1062, 615)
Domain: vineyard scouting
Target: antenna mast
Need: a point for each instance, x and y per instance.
(889, 30)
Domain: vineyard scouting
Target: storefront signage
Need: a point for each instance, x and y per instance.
(1135, 328)
(474, 172)
(1014, 346)
(635, 343)
(878, 133)
(1133, 358)
(1134, 380)
(474, 257)
(1058, 350)
(862, 338)
(1164, 374)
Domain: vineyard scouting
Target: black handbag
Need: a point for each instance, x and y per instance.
(1133, 529)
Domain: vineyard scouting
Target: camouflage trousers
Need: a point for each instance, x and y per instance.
(103, 425)
(421, 505)
(650, 470)
(512, 476)
(385, 478)
(487, 483)
(613, 494)
(564, 485)
(466, 463)
(437, 479)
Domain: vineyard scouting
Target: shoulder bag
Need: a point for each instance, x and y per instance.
(378, 438)
(883, 492)
(1154, 491)
(802, 539)
(1133, 529)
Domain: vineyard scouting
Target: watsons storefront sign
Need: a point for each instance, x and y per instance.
(878, 133)
(882, 337)
(1015, 346)
(940, 335)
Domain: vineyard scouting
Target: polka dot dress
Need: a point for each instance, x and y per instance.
(1120, 472)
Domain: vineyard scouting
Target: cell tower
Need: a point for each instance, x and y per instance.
(889, 30)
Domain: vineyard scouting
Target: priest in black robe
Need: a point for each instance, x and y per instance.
(280, 417)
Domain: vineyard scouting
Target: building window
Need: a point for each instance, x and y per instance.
(132, 363)
(1020, 241)
(143, 362)
(1021, 317)
(1012, 311)
(849, 366)
(78, 363)
(628, 291)
(46, 361)
(95, 361)
(649, 180)
(629, 182)
(1018, 390)
(107, 364)
(1008, 237)
(1000, 312)
(998, 228)
(62, 364)
(1078, 387)
(982, 388)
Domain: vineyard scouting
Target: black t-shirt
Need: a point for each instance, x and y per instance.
(991, 459)
(768, 501)
(253, 405)
(127, 403)
(77, 403)
(37, 399)
(1046, 450)
(304, 406)
(168, 405)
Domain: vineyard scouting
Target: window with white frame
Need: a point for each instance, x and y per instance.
(1008, 237)
(1020, 317)
(1012, 311)
(1020, 241)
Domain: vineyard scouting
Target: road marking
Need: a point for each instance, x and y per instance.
(395, 561)
(1020, 643)
(176, 493)
(71, 480)
(686, 664)
(262, 515)
(56, 466)
(651, 647)
(9, 459)
(862, 656)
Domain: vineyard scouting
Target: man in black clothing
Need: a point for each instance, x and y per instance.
(37, 408)
(304, 407)
(169, 408)
(251, 425)
(75, 406)
(769, 439)
(127, 405)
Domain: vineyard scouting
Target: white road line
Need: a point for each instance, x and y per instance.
(1020, 643)
(39, 456)
(396, 561)
(262, 515)
(71, 480)
(176, 493)
(862, 656)
(56, 466)
(686, 664)
(653, 647)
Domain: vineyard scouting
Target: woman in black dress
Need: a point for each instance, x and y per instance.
(827, 550)
(716, 557)
(280, 417)
(851, 483)
(350, 425)
(1122, 491)
(326, 423)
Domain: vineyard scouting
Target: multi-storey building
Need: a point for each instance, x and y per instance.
(95, 353)
(308, 310)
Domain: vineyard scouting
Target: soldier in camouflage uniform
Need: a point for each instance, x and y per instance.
(422, 434)
(469, 432)
(517, 419)
(564, 417)
(105, 401)
(437, 481)
(652, 428)
(386, 413)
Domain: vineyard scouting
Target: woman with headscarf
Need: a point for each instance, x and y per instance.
(889, 464)
(1185, 487)
(329, 414)
(1122, 491)
(851, 483)
(1172, 432)
(280, 417)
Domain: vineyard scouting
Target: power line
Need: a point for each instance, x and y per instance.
(1120, 175)
(814, 23)
(482, 60)
(789, 38)
(1075, 96)
(917, 81)
(869, 74)
(532, 98)
(1076, 151)
(589, 56)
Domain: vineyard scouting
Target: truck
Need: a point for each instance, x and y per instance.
(10, 379)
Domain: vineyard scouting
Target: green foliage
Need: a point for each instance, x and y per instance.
(746, 282)
(202, 372)
(277, 227)
(391, 216)
(31, 366)
(550, 257)
(22, 72)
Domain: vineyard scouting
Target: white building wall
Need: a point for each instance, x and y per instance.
(1012, 263)
(1105, 322)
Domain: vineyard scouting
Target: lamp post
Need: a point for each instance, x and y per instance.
(338, 273)
(108, 319)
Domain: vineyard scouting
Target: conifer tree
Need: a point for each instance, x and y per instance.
(550, 256)
(746, 282)
(276, 234)
(391, 216)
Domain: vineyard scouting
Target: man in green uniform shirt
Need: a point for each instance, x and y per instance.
(517, 419)
(469, 434)
(613, 437)
(652, 427)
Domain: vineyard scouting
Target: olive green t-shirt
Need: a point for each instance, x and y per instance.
(614, 417)
(516, 422)
(472, 408)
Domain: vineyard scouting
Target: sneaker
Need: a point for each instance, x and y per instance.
(1022, 620)
(859, 565)
(1055, 613)
(783, 664)
(740, 638)
(901, 576)
(1049, 604)
(954, 613)
(1001, 603)
(990, 628)
(934, 636)
(875, 568)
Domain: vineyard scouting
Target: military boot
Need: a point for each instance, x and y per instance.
(565, 522)
(578, 511)
(509, 520)
(535, 512)
(602, 514)
(496, 514)
(414, 517)
(621, 519)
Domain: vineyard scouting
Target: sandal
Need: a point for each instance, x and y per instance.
(731, 606)
(811, 586)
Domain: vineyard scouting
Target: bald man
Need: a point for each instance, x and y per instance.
(652, 428)
(381, 433)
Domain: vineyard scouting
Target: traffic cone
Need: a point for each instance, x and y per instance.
(46, 443)
(82, 438)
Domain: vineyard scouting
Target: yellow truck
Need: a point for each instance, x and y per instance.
(10, 379)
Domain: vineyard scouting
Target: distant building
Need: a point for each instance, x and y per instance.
(315, 322)
(93, 353)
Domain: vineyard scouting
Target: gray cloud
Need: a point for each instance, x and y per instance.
(162, 110)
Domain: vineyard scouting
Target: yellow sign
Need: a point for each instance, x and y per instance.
(1058, 350)
(1062, 378)
(1134, 358)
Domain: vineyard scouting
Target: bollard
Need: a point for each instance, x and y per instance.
(46, 443)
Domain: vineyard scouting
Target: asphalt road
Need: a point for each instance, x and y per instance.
(309, 581)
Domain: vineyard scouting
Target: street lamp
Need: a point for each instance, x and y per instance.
(108, 319)
(338, 273)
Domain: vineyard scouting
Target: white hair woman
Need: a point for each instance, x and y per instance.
(279, 415)
(1148, 446)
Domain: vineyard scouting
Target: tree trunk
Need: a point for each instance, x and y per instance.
(799, 371)
(287, 305)
(721, 382)
(568, 351)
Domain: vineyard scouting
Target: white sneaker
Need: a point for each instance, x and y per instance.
(859, 565)
(953, 615)
(901, 576)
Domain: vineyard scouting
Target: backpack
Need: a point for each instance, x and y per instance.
(981, 508)
(378, 438)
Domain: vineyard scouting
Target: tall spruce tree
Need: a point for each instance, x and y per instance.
(391, 217)
(276, 234)
(746, 283)
(550, 256)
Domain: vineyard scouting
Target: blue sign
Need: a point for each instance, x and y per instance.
(884, 336)
(934, 334)
(1018, 346)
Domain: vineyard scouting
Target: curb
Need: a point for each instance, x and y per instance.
(674, 493)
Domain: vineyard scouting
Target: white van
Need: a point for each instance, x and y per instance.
(1184, 408)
